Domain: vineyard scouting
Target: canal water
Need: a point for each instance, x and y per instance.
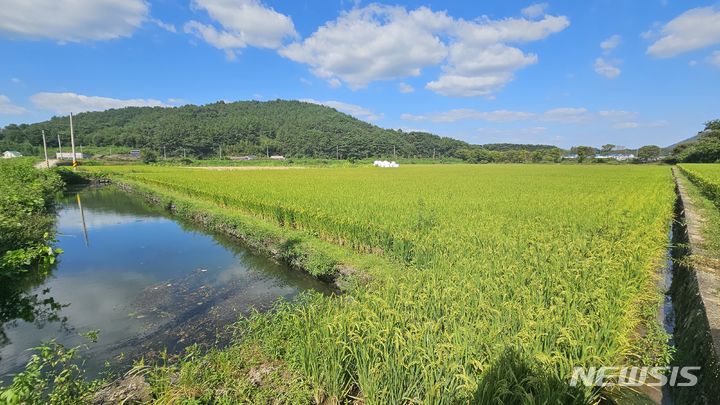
(143, 279)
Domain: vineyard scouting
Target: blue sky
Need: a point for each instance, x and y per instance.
(558, 72)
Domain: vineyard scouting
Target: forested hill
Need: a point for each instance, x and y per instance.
(291, 128)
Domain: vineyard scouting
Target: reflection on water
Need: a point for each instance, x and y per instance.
(144, 280)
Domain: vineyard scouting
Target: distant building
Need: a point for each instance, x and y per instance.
(621, 157)
(9, 154)
(249, 157)
(69, 155)
(135, 153)
(277, 157)
(571, 156)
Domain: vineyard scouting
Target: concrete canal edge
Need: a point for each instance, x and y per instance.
(696, 299)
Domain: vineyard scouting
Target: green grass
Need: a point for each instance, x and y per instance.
(26, 217)
(503, 277)
(706, 177)
(707, 208)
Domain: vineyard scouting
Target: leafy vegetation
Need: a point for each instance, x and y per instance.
(706, 178)
(649, 153)
(706, 208)
(26, 255)
(498, 280)
(291, 128)
(26, 203)
(705, 149)
(54, 375)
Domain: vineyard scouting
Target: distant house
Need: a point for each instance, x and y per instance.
(135, 153)
(277, 157)
(69, 155)
(250, 157)
(621, 157)
(9, 154)
(571, 156)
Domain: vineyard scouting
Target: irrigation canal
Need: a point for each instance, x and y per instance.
(143, 279)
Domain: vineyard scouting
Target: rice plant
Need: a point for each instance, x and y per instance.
(504, 277)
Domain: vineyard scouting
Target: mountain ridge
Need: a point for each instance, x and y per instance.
(289, 127)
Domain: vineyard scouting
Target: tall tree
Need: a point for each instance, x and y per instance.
(649, 152)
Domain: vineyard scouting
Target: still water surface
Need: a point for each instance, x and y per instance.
(144, 280)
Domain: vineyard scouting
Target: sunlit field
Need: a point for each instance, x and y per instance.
(706, 177)
(499, 273)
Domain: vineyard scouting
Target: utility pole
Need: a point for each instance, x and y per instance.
(267, 151)
(47, 162)
(220, 149)
(164, 154)
(337, 152)
(72, 142)
(60, 147)
(184, 155)
(433, 153)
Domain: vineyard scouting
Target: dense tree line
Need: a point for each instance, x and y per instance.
(290, 128)
(706, 149)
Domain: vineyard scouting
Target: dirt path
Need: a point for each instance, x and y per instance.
(706, 266)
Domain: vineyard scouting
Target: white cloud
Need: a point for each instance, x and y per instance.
(479, 71)
(454, 85)
(351, 109)
(372, 43)
(505, 133)
(609, 44)
(480, 63)
(405, 88)
(534, 10)
(15, 80)
(635, 124)
(380, 42)
(63, 103)
(8, 108)
(714, 59)
(692, 63)
(568, 115)
(514, 30)
(71, 20)
(694, 29)
(470, 114)
(166, 26)
(606, 68)
(563, 115)
(618, 114)
(243, 23)
(177, 101)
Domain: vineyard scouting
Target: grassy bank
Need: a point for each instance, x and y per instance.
(26, 217)
(500, 279)
(697, 283)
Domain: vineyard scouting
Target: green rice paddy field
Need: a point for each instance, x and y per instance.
(496, 280)
(706, 177)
